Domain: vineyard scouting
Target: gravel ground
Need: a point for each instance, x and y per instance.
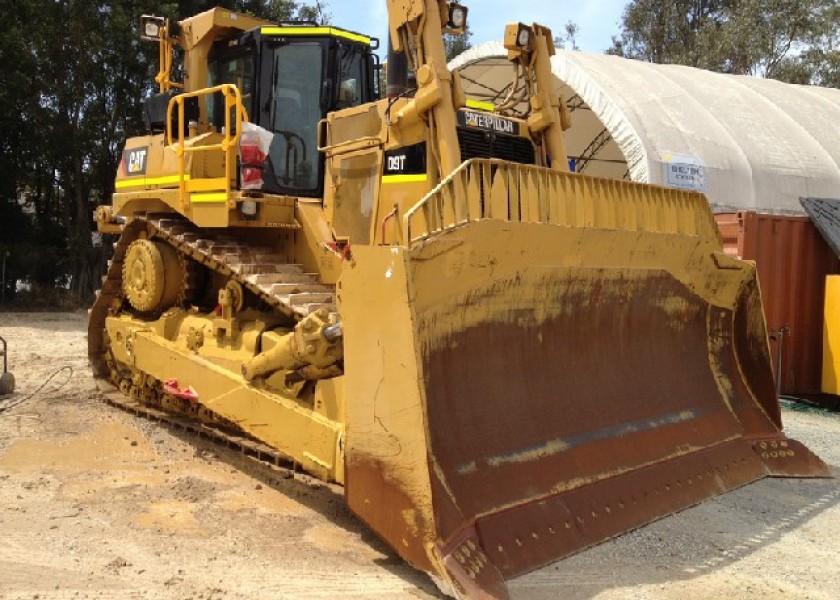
(95, 503)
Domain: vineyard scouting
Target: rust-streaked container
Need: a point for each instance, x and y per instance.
(792, 260)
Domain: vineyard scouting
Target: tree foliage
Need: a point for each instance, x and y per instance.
(791, 40)
(568, 38)
(456, 44)
(73, 74)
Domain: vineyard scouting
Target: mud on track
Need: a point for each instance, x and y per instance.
(96, 503)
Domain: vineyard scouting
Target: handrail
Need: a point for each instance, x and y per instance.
(228, 145)
(165, 61)
(350, 145)
(359, 143)
(497, 189)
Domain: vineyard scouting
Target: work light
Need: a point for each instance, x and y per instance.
(457, 16)
(523, 38)
(518, 37)
(151, 26)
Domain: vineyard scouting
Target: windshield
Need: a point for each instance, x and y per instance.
(295, 109)
(236, 70)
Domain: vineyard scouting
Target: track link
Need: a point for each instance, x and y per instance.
(283, 286)
(257, 459)
(244, 444)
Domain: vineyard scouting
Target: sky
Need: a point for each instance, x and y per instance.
(597, 19)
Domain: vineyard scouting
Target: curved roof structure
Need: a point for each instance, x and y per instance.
(747, 143)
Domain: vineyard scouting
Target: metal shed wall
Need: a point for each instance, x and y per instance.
(792, 260)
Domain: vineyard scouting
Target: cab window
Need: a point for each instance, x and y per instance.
(237, 70)
(351, 76)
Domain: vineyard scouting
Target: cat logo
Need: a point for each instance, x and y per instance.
(488, 122)
(134, 161)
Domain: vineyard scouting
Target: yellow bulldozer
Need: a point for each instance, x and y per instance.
(501, 361)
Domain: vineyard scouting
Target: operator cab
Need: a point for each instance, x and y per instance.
(290, 77)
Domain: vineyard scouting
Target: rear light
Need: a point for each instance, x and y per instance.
(248, 209)
(252, 159)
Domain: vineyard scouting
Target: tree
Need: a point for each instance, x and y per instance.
(456, 43)
(792, 40)
(819, 62)
(280, 10)
(73, 75)
(671, 31)
(570, 32)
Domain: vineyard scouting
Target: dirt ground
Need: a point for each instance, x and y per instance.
(96, 503)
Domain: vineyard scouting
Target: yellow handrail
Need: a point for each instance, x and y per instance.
(228, 145)
(165, 58)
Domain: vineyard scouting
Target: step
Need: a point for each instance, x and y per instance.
(246, 269)
(286, 289)
(282, 274)
(309, 298)
(269, 257)
(215, 245)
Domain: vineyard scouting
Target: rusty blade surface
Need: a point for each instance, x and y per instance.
(526, 536)
(609, 385)
(570, 385)
(553, 429)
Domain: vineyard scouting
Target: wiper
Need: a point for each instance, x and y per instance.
(270, 101)
(275, 73)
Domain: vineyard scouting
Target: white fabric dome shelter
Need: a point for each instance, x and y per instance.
(747, 143)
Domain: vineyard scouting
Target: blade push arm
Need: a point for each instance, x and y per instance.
(530, 48)
(416, 28)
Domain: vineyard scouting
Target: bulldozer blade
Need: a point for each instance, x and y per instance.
(519, 391)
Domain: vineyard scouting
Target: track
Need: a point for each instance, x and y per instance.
(284, 287)
(248, 446)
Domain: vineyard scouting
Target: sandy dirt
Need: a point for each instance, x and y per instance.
(96, 503)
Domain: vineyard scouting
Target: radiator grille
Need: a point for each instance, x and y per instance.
(476, 143)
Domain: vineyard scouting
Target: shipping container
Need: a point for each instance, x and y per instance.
(831, 337)
(792, 260)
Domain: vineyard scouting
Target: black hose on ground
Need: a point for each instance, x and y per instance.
(17, 402)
